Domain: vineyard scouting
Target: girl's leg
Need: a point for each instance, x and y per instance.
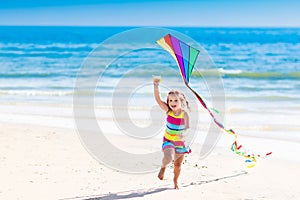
(167, 159)
(177, 168)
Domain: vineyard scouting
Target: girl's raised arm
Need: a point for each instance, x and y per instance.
(161, 103)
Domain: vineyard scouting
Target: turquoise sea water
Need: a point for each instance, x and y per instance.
(40, 64)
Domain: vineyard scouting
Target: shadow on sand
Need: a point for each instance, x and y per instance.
(143, 192)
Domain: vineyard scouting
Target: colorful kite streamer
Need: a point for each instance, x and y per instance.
(185, 57)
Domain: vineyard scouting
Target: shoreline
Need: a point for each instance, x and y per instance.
(277, 126)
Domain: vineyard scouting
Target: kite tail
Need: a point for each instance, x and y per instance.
(237, 149)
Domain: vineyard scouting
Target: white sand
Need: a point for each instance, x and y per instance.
(42, 158)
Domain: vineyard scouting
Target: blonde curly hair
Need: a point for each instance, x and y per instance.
(181, 97)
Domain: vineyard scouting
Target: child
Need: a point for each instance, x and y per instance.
(177, 122)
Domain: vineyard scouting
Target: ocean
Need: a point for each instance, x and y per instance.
(258, 66)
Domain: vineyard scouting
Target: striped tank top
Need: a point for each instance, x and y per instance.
(173, 134)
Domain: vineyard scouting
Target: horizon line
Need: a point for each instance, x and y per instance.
(143, 26)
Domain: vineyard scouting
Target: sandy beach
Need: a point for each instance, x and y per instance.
(42, 157)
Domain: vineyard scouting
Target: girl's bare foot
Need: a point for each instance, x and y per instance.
(161, 173)
(177, 170)
(175, 185)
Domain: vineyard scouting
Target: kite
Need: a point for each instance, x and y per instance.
(185, 57)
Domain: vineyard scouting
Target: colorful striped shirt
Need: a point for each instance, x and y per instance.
(173, 133)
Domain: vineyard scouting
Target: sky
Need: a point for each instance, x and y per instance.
(208, 13)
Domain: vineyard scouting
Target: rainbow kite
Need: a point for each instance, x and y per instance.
(185, 57)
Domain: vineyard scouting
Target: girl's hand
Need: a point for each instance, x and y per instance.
(156, 80)
(184, 134)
